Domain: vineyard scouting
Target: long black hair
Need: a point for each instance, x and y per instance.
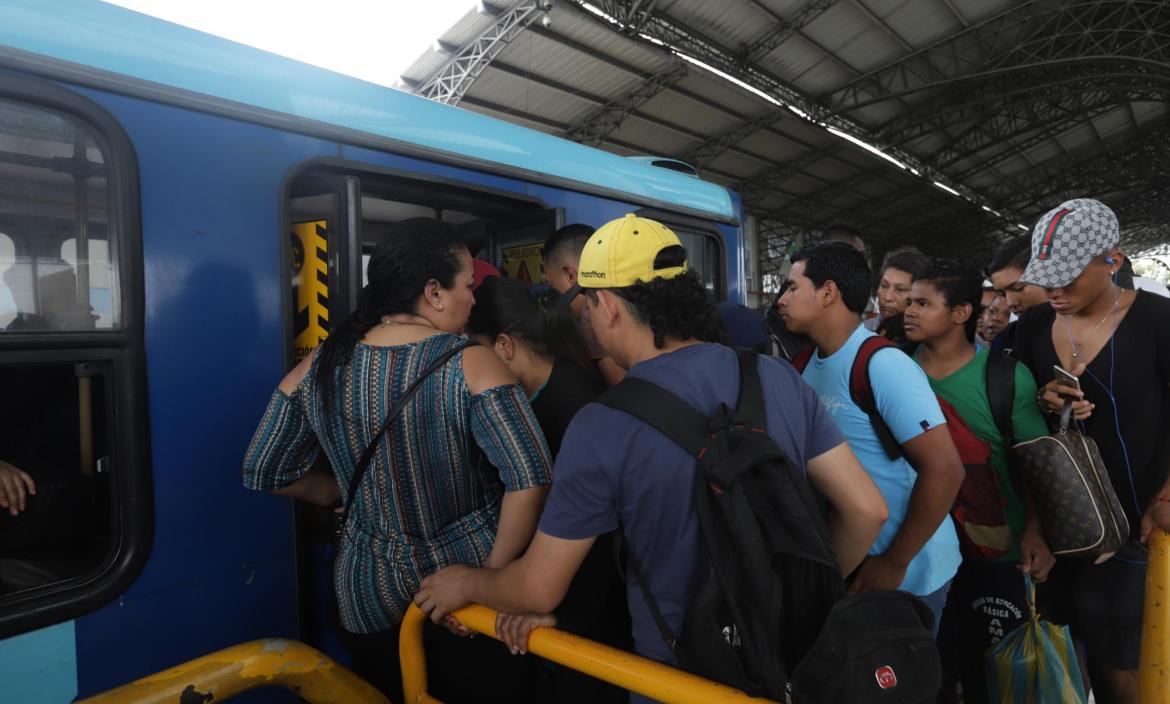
(508, 306)
(414, 252)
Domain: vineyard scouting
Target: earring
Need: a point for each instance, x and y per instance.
(440, 307)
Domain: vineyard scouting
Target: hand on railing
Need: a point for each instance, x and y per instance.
(513, 629)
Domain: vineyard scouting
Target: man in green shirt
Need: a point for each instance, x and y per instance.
(988, 597)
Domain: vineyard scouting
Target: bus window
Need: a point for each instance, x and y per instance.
(703, 257)
(7, 261)
(53, 427)
(54, 190)
(71, 414)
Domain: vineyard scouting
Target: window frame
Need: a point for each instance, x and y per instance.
(349, 261)
(697, 226)
(131, 487)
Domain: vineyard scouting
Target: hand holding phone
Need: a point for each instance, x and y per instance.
(1065, 378)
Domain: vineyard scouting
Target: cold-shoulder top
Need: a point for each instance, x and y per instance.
(431, 496)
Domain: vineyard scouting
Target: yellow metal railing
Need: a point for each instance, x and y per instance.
(272, 662)
(1154, 669)
(637, 674)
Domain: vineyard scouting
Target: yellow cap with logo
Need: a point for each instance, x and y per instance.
(622, 252)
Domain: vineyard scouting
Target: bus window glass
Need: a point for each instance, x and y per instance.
(55, 209)
(703, 258)
(53, 428)
(7, 302)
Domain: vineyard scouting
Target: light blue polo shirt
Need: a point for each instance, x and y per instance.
(909, 407)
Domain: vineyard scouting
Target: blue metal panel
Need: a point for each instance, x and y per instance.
(106, 37)
(222, 566)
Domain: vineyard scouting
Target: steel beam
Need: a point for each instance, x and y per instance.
(452, 81)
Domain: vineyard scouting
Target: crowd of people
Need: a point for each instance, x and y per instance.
(496, 477)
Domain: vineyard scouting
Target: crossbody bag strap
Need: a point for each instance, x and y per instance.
(395, 410)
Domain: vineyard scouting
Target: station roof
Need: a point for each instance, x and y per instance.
(947, 124)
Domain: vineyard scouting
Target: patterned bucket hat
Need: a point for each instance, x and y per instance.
(1067, 238)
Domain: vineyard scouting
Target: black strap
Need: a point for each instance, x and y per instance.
(661, 410)
(1000, 380)
(395, 410)
(750, 406)
(624, 551)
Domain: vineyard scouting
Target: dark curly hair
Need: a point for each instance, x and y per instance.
(414, 252)
(508, 306)
(678, 307)
(959, 285)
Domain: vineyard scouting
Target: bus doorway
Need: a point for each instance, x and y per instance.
(336, 214)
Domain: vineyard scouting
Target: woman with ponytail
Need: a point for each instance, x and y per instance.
(459, 477)
(537, 340)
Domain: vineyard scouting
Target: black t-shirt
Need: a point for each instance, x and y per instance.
(568, 388)
(1135, 365)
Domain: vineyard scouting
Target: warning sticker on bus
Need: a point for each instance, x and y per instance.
(310, 267)
(522, 262)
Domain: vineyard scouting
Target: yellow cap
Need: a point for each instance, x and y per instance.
(621, 253)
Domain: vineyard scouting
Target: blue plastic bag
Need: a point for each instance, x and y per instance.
(1035, 662)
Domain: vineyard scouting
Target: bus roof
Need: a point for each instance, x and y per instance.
(112, 39)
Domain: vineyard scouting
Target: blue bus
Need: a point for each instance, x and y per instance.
(180, 217)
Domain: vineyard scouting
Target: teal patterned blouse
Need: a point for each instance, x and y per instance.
(432, 494)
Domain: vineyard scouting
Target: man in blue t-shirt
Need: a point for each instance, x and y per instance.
(917, 549)
(650, 314)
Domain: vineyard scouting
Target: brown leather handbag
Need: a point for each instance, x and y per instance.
(1079, 511)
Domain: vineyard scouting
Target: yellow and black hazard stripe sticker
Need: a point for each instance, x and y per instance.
(310, 246)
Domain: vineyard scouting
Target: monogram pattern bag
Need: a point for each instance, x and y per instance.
(1079, 511)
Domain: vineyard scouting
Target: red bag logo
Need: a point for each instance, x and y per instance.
(885, 676)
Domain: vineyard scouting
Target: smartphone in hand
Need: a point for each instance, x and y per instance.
(1065, 377)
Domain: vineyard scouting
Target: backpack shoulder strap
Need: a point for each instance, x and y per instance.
(801, 360)
(861, 391)
(661, 410)
(1000, 380)
(750, 406)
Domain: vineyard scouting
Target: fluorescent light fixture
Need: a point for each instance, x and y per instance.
(728, 77)
(915, 171)
(600, 13)
(1021, 227)
(867, 147)
(799, 112)
(993, 212)
(948, 189)
(652, 40)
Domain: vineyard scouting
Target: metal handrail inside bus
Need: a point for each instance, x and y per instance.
(1154, 666)
(626, 670)
(271, 662)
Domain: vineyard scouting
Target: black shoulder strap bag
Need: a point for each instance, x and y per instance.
(395, 410)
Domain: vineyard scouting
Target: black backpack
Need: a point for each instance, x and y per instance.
(769, 578)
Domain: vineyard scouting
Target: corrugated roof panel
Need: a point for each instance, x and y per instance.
(553, 61)
(605, 40)
(684, 112)
(735, 99)
(655, 139)
(976, 10)
(919, 23)
(821, 74)
(1044, 151)
(732, 24)
(735, 162)
(506, 89)
(793, 58)
(767, 143)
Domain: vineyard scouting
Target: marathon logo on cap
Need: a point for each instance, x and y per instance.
(592, 274)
